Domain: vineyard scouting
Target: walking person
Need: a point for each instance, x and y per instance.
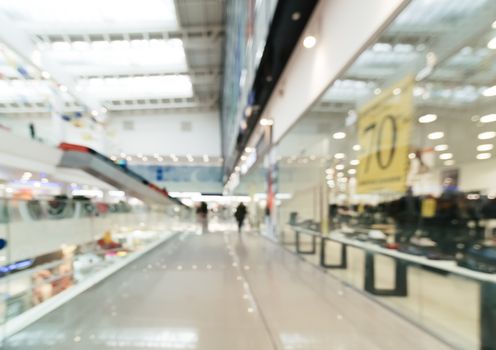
(202, 213)
(240, 215)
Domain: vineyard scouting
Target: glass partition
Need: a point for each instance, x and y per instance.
(393, 170)
(49, 246)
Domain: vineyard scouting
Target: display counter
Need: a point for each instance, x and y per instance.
(307, 242)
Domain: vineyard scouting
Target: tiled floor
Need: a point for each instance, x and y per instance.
(221, 291)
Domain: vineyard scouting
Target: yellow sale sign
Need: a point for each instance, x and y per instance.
(384, 129)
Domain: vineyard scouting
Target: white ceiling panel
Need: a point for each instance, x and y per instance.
(173, 86)
(77, 14)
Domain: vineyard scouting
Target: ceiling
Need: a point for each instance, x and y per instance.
(450, 49)
(112, 57)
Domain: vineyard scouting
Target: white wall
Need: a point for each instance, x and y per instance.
(343, 28)
(162, 134)
(479, 175)
(151, 134)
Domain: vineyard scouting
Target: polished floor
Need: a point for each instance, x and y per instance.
(221, 291)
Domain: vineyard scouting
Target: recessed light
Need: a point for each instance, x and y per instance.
(340, 174)
(487, 135)
(490, 92)
(352, 171)
(45, 75)
(339, 135)
(266, 122)
(340, 167)
(339, 155)
(377, 91)
(485, 147)
(309, 41)
(492, 44)
(489, 118)
(446, 156)
(396, 91)
(296, 16)
(354, 162)
(441, 148)
(428, 118)
(357, 148)
(482, 156)
(412, 156)
(436, 135)
(449, 162)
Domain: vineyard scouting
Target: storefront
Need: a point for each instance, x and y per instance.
(396, 162)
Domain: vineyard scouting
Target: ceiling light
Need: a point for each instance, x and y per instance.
(446, 156)
(396, 91)
(309, 41)
(243, 158)
(449, 162)
(489, 118)
(94, 113)
(352, 171)
(266, 122)
(428, 118)
(357, 148)
(45, 75)
(296, 16)
(485, 147)
(340, 167)
(482, 156)
(487, 135)
(339, 135)
(436, 135)
(377, 91)
(490, 92)
(339, 155)
(492, 44)
(340, 175)
(249, 149)
(329, 171)
(412, 156)
(441, 148)
(329, 177)
(355, 162)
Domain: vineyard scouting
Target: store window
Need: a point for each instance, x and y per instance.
(396, 162)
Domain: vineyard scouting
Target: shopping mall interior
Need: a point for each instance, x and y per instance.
(248, 174)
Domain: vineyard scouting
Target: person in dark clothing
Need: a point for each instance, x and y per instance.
(202, 214)
(240, 215)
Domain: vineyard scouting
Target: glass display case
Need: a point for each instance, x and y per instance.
(391, 172)
(49, 246)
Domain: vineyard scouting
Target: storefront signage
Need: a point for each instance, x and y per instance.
(384, 128)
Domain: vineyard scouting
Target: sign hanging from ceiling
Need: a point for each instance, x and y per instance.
(384, 129)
